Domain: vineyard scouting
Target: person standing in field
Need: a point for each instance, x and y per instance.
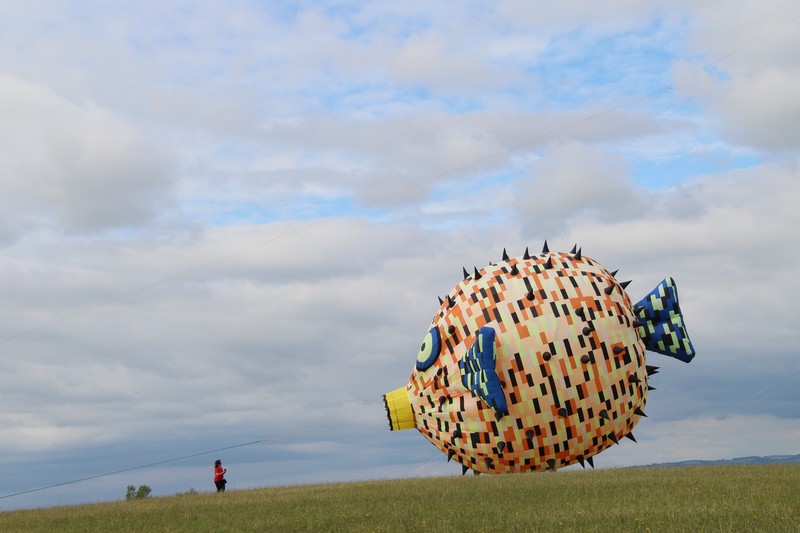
(219, 476)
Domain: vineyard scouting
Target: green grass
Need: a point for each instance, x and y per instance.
(716, 498)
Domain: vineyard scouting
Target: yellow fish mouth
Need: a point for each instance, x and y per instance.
(398, 409)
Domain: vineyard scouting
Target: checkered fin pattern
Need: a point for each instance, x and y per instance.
(663, 329)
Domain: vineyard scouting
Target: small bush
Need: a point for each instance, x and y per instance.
(137, 494)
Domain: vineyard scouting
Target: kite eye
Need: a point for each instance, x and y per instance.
(429, 350)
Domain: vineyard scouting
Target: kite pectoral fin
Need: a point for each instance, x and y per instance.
(479, 374)
(660, 322)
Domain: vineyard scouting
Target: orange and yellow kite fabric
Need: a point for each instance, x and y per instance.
(537, 362)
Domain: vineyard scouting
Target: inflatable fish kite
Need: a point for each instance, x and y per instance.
(537, 362)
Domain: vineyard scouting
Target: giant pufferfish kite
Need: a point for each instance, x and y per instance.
(537, 362)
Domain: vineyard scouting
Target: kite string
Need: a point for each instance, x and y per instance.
(157, 463)
(746, 44)
(415, 473)
(760, 395)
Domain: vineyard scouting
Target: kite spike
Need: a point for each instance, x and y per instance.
(549, 263)
(514, 270)
(638, 411)
(488, 463)
(440, 300)
(505, 255)
(608, 290)
(574, 249)
(634, 379)
(464, 470)
(545, 249)
(630, 436)
(451, 302)
(450, 453)
(501, 446)
(604, 414)
(477, 274)
(527, 255)
(637, 323)
(551, 464)
(578, 255)
(625, 284)
(466, 274)
(457, 433)
(498, 415)
(614, 274)
(618, 349)
(650, 388)
(590, 461)
(651, 370)
(613, 437)
(581, 461)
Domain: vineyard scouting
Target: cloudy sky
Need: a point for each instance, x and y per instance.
(222, 222)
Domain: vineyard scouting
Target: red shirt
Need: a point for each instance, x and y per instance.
(219, 473)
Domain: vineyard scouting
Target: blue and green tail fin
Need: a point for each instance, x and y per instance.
(660, 322)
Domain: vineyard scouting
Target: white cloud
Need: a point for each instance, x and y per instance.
(750, 86)
(573, 181)
(72, 167)
(425, 59)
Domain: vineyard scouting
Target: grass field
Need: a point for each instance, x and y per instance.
(715, 498)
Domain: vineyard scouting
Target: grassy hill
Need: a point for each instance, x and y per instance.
(714, 498)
